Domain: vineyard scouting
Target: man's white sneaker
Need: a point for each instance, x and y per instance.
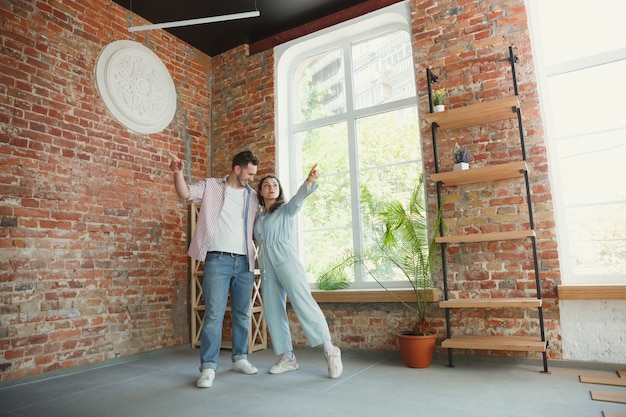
(206, 379)
(284, 365)
(245, 367)
(333, 359)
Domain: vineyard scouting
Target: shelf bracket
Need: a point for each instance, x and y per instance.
(430, 78)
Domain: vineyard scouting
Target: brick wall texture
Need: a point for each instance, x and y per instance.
(93, 240)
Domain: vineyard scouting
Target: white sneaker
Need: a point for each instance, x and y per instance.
(245, 367)
(284, 365)
(206, 379)
(333, 360)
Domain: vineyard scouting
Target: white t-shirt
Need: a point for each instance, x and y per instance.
(229, 235)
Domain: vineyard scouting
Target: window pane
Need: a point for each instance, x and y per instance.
(564, 33)
(382, 269)
(602, 156)
(326, 220)
(329, 206)
(383, 70)
(589, 128)
(580, 104)
(389, 184)
(390, 137)
(320, 87)
(323, 247)
(389, 151)
(327, 146)
(598, 240)
(389, 168)
(595, 208)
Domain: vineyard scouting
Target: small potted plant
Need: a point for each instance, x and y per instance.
(438, 96)
(461, 159)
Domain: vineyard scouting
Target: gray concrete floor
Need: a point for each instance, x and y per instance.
(162, 383)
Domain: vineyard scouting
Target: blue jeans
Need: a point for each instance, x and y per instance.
(223, 272)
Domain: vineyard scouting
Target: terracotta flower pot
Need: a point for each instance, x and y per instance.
(417, 351)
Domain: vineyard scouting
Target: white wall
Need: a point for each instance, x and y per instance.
(594, 331)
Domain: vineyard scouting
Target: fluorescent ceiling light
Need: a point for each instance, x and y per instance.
(196, 21)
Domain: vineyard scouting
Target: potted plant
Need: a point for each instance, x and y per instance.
(438, 96)
(461, 159)
(401, 234)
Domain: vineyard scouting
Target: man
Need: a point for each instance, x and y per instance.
(223, 240)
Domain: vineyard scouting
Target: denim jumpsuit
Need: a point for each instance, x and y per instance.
(282, 276)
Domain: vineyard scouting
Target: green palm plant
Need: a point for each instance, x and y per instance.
(401, 234)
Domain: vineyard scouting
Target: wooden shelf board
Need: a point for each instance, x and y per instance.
(491, 303)
(516, 343)
(604, 380)
(487, 173)
(486, 237)
(611, 413)
(592, 292)
(372, 296)
(615, 397)
(474, 114)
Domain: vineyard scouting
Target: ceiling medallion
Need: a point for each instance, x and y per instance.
(136, 87)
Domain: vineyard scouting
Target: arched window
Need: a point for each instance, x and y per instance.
(347, 101)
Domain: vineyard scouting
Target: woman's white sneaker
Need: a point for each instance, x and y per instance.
(284, 365)
(333, 359)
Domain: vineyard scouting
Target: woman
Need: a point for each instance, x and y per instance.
(282, 276)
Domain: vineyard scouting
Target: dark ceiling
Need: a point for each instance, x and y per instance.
(277, 16)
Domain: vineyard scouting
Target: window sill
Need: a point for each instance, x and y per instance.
(592, 292)
(370, 296)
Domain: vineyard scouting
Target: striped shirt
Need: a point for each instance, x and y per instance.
(211, 192)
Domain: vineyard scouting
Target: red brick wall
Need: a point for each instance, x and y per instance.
(93, 258)
(243, 108)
